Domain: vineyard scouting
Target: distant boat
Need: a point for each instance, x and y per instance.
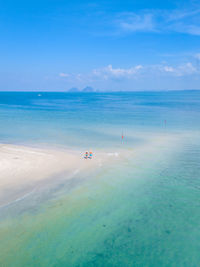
(39, 95)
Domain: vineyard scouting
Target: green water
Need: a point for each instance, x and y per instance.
(137, 213)
(141, 210)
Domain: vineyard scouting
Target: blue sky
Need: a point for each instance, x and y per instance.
(109, 45)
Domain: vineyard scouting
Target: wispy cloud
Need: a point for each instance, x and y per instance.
(179, 14)
(137, 22)
(160, 21)
(188, 29)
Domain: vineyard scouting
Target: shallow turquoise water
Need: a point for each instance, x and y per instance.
(98, 119)
(140, 212)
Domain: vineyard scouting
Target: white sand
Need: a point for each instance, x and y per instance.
(24, 168)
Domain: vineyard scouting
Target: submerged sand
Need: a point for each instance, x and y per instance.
(24, 169)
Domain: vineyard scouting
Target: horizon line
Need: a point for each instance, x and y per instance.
(99, 91)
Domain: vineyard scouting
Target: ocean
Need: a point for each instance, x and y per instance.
(142, 211)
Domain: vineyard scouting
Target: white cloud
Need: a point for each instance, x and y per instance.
(117, 73)
(187, 69)
(168, 69)
(138, 72)
(109, 72)
(64, 75)
(180, 70)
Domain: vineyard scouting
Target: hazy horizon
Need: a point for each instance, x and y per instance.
(98, 91)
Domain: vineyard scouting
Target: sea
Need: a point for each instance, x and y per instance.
(142, 211)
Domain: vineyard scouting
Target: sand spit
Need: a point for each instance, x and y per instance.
(22, 169)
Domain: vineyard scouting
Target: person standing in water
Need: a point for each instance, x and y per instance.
(86, 155)
(90, 156)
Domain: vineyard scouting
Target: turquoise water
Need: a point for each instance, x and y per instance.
(140, 211)
(61, 118)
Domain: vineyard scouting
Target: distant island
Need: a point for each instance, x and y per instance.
(87, 89)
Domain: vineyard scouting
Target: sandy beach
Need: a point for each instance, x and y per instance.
(22, 169)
